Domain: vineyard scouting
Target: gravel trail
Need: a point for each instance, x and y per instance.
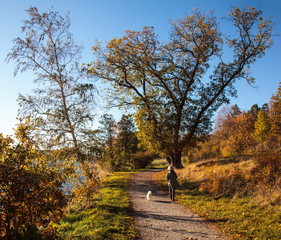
(160, 219)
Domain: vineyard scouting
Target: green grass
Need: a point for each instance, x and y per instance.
(158, 163)
(239, 218)
(109, 218)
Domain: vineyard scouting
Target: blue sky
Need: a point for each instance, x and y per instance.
(105, 19)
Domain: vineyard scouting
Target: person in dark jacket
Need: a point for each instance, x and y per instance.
(173, 184)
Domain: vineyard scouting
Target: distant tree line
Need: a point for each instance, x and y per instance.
(253, 136)
(239, 132)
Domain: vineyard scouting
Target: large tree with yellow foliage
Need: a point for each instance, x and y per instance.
(275, 114)
(176, 86)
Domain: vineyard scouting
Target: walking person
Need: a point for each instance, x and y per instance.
(173, 183)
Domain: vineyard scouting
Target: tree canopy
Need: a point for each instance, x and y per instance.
(61, 107)
(176, 86)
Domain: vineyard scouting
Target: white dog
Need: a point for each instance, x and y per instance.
(148, 195)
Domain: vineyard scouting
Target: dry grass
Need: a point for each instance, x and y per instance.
(202, 171)
(231, 177)
(269, 195)
(240, 216)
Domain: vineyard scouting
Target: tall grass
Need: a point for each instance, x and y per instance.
(110, 216)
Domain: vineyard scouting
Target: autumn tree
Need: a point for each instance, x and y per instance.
(166, 82)
(241, 140)
(224, 120)
(85, 184)
(275, 114)
(215, 144)
(61, 107)
(234, 130)
(31, 189)
(262, 126)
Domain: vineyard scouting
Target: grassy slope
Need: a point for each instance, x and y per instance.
(239, 218)
(110, 217)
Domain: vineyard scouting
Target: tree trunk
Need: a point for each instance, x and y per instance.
(169, 160)
(176, 160)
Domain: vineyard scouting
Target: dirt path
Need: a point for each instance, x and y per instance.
(160, 219)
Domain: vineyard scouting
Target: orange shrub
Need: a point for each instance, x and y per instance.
(31, 195)
(268, 167)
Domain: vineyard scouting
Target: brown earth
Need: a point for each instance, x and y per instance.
(161, 219)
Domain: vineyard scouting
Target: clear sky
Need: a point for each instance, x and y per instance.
(105, 19)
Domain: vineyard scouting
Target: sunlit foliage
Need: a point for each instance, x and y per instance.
(31, 189)
(169, 84)
(275, 114)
